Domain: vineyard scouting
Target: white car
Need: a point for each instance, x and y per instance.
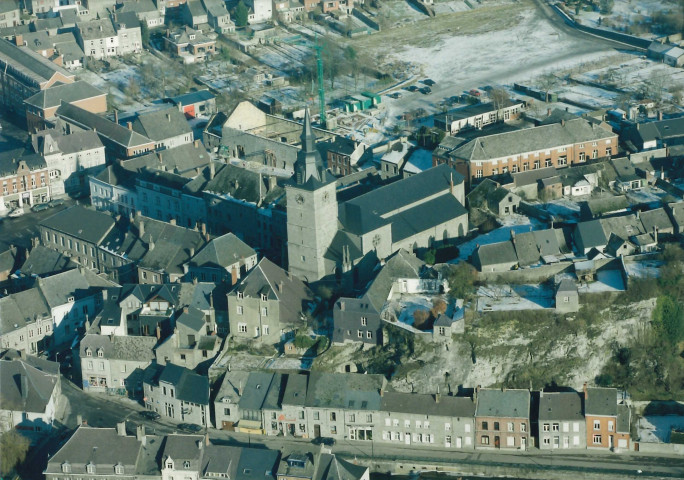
(17, 212)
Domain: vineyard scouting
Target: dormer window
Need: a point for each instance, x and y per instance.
(70, 299)
(66, 467)
(186, 465)
(263, 297)
(119, 469)
(169, 464)
(90, 468)
(240, 295)
(192, 36)
(100, 352)
(89, 352)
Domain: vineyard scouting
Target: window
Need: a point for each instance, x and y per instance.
(485, 426)
(597, 424)
(333, 417)
(369, 334)
(369, 417)
(594, 154)
(66, 467)
(536, 165)
(359, 333)
(510, 427)
(523, 427)
(119, 469)
(555, 427)
(242, 327)
(90, 468)
(240, 295)
(100, 353)
(447, 427)
(89, 353)
(566, 426)
(547, 441)
(496, 426)
(364, 321)
(610, 426)
(264, 311)
(484, 440)
(186, 465)
(478, 174)
(316, 416)
(333, 430)
(263, 297)
(609, 151)
(510, 441)
(264, 329)
(597, 439)
(575, 427)
(226, 411)
(352, 417)
(240, 310)
(546, 427)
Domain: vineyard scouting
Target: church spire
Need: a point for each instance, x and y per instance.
(309, 162)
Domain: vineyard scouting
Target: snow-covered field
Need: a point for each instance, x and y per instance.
(654, 429)
(519, 297)
(644, 269)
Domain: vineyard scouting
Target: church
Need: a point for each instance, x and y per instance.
(327, 240)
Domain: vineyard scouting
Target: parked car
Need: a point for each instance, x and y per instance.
(190, 427)
(150, 415)
(39, 207)
(474, 92)
(17, 212)
(56, 203)
(425, 90)
(395, 95)
(324, 441)
(412, 88)
(429, 82)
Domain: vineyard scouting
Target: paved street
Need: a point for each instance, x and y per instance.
(19, 231)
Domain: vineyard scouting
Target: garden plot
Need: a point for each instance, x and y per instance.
(590, 97)
(644, 269)
(492, 298)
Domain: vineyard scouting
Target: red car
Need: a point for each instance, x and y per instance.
(474, 92)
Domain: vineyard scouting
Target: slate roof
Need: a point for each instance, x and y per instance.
(194, 97)
(11, 159)
(656, 218)
(255, 390)
(138, 6)
(66, 92)
(77, 284)
(660, 130)
(295, 390)
(256, 464)
(426, 404)
(497, 253)
(183, 447)
(230, 387)
(190, 387)
(623, 418)
(101, 446)
(223, 460)
(567, 285)
(560, 406)
(40, 386)
(345, 390)
(104, 127)
(193, 319)
(533, 176)
(503, 403)
(73, 221)
(184, 159)
(20, 309)
(78, 141)
(265, 278)
(130, 348)
(400, 265)
(624, 169)
(162, 124)
(426, 215)
(96, 29)
(601, 402)
(243, 184)
(591, 234)
(530, 140)
(29, 63)
(222, 252)
(331, 467)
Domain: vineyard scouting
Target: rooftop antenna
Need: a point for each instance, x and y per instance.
(321, 88)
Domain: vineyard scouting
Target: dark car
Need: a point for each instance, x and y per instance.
(324, 441)
(412, 88)
(190, 427)
(429, 81)
(40, 207)
(425, 90)
(56, 203)
(150, 415)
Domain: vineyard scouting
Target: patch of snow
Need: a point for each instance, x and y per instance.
(514, 297)
(606, 281)
(466, 249)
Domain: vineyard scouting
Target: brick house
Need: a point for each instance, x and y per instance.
(607, 421)
(502, 419)
(24, 179)
(556, 145)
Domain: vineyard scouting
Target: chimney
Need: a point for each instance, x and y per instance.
(121, 429)
(116, 116)
(563, 123)
(382, 391)
(272, 182)
(280, 286)
(192, 252)
(161, 159)
(660, 115)
(140, 433)
(157, 332)
(172, 221)
(513, 236)
(197, 143)
(638, 214)
(655, 234)
(206, 439)
(19, 40)
(141, 228)
(342, 305)
(186, 309)
(586, 391)
(79, 420)
(212, 170)
(451, 183)
(204, 229)
(24, 387)
(548, 112)
(180, 107)
(437, 395)
(129, 125)
(151, 243)
(168, 117)
(541, 393)
(81, 269)
(240, 388)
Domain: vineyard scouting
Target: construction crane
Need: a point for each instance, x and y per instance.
(321, 88)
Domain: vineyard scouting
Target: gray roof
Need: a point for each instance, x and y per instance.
(243, 184)
(77, 284)
(198, 96)
(531, 139)
(255, 390)
(10, 161)
(190, 387)
(269, 279)
(256, 464)
(162, 124)
(656, 218)
(400, 265)
(222, 252)
(427, 404)
(23, 308)
(497, 253)
(29, 63)
(80, 222)
(233, 381)
(92, 121)
(625, 169)
(503, 403)
(195, 7)
(96, 29)
(352, 391)
(129, 348)
(39, 386)
(567, 285)
(184, 159)
(9, 6)
(295, 390)
(426, 215)
(661, 130)
(533, 176)
(591, 234)
(601, 402)
(330, 467)
(102, 447)
(68, 92)
(623, 418)
(560, 406)
(75, 142)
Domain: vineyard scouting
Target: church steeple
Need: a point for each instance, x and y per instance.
(309, 163)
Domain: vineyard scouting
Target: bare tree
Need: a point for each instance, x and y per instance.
(500, 100)
(546, 83)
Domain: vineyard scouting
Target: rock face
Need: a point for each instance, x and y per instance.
(521, 349)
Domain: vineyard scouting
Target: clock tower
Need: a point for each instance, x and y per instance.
(311, 210)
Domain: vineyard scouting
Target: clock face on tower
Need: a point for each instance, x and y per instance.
(299, 199)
